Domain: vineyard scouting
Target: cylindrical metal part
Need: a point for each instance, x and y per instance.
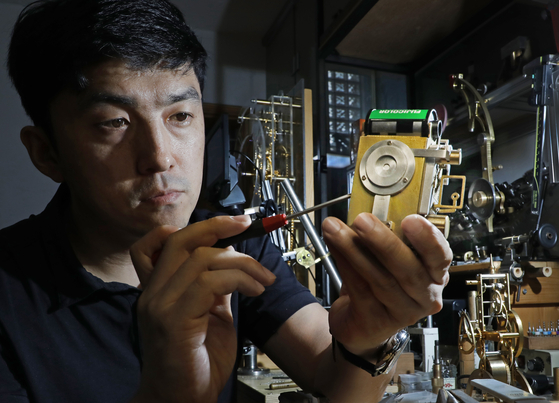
(429, 322)
(455, 157)
(319, 245)
(282, 385)
(472, 307)
(480, 199)
(499, 336)
(442, 222)
(438, 381)
(250, 358)
(498, 369)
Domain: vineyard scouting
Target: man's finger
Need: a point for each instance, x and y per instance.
(198, 299)
(205, 259)
(365, 276)
(395, 255)
(181, 244)
(143, 251)
(431, 245)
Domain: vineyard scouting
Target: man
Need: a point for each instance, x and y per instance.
(114, 88)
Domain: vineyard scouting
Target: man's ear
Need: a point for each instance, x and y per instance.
(42, 152)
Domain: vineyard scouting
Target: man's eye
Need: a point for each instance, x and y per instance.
(117, 123)
(181, 116)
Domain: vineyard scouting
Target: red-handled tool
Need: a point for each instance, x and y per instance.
(269, 224)
(256, 229)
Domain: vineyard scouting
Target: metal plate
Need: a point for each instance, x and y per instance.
(387, 167)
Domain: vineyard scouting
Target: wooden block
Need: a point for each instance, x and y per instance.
(539, 291)
(405, 365)
(263, 361)
(541, 343)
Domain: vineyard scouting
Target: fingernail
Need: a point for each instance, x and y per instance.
(271, 276)
(414, 225)
(364, 223)
(330, 225)
(240, 218)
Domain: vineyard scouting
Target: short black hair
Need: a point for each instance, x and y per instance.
(53, 41)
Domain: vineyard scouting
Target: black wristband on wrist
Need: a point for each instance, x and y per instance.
(354, 359)
(386, 358)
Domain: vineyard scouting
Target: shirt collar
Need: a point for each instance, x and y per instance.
(72, 282)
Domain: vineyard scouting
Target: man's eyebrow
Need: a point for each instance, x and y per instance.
(190, 94)
(107, 98)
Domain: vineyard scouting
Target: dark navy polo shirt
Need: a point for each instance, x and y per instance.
(67, 336)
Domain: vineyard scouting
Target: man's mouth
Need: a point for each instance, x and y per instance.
(162, 198)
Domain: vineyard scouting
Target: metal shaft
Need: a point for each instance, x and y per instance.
(319, 245)
(319, 206)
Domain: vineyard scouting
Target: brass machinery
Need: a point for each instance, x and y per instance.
(510, 222)
(402, 166)
(514, 222)
(274, 153)
(494, 321)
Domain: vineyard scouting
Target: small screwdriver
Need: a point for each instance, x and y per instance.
(269, 224)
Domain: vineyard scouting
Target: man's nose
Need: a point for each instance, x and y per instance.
(155, 149)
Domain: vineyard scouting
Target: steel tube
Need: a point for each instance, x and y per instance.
(317, 242)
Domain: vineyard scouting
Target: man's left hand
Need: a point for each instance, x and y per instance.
(386, 285)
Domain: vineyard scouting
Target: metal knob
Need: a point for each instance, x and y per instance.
(442, 222)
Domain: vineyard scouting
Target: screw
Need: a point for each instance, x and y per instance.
(405, 180)
(364, 177)
(525, 291)
(389, 142)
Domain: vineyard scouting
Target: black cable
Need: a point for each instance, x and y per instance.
(293, 235)
(312, 275)
(249, 160)
(246, 157)
(259, 173)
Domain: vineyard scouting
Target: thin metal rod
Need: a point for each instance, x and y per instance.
(317, 242)
(263, 102)
(319, 206)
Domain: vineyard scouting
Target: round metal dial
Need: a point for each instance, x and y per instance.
(387, 167)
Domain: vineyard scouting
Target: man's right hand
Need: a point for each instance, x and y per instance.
(186, 325)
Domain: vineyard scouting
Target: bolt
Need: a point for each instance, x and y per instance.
(525, 291)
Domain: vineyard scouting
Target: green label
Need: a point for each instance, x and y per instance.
(392, 114)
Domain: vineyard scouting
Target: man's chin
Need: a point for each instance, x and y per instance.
(155, 222)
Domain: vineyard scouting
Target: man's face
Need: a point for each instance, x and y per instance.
(130, 147)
